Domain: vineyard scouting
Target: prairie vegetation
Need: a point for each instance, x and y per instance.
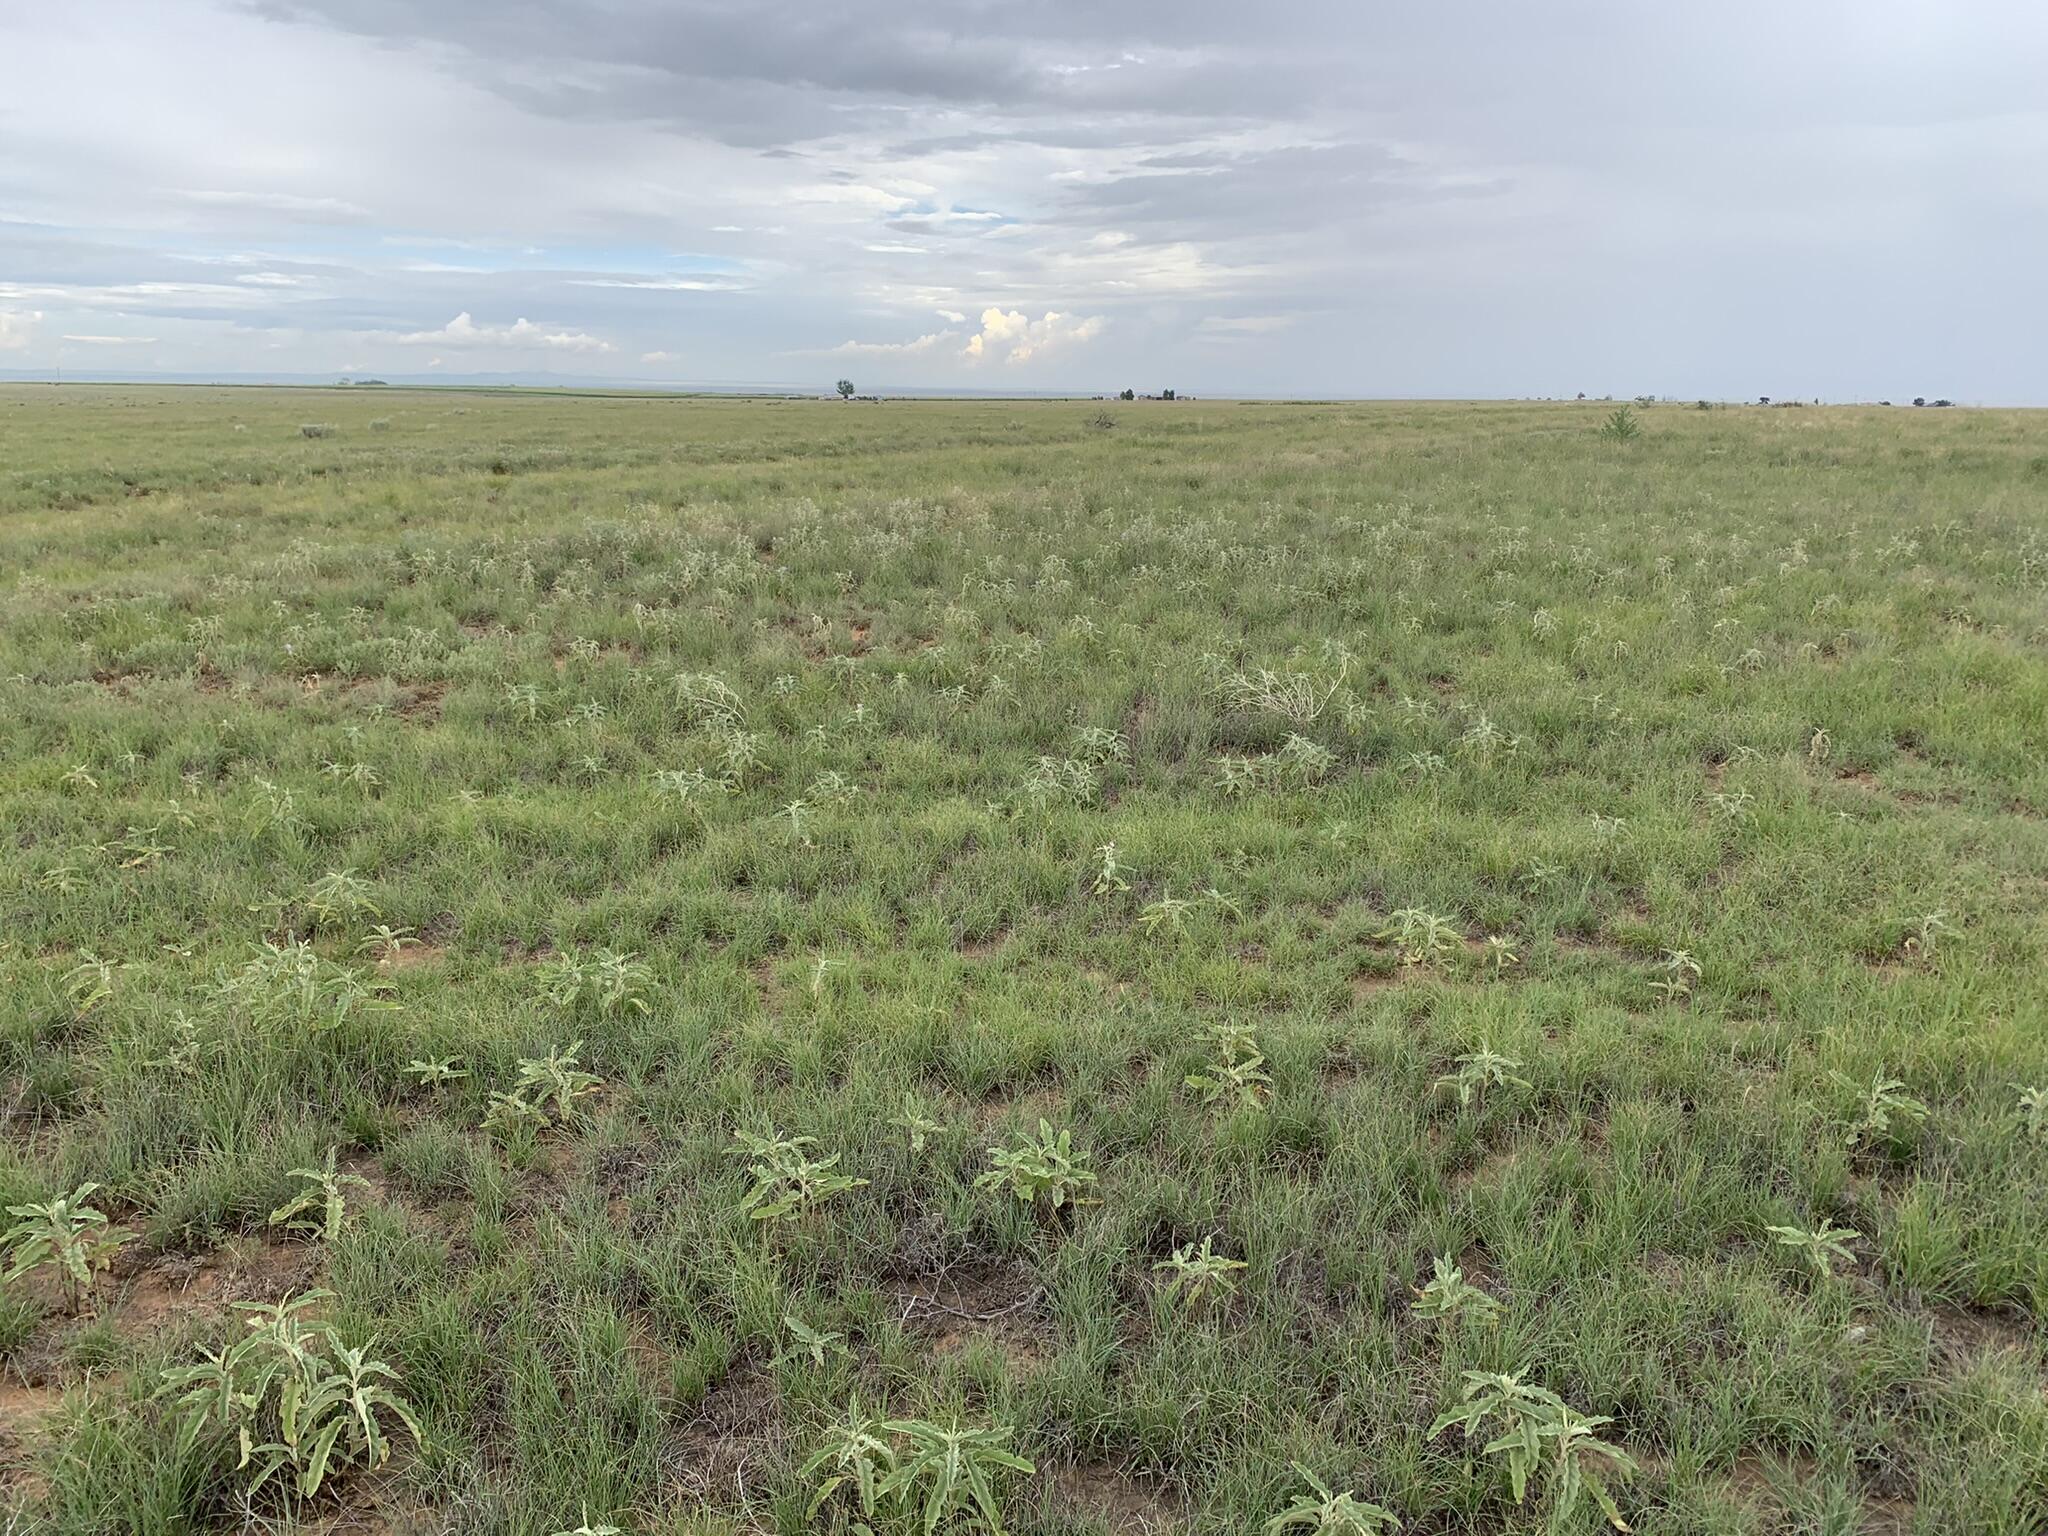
(724, 966)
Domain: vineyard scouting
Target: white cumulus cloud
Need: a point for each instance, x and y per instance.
(16, 327)
(463, 331)
(1016, 337)
(923, 343)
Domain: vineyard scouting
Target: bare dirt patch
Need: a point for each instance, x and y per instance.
(975, 1300)
(410, 957)
(1965, 1334)
(23, 1408)
(1121, 1502)
(720, 1455)
(1493, 1167)
(1105, 981)
(1368, 984)
(170, 1290)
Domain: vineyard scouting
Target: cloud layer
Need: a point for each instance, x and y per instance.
(1322, 197)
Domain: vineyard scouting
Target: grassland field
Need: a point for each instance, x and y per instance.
(1129, 841)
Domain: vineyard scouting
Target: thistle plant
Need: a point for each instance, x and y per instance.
(1236, 1068)
(1874, 1108)
(386, 942)
(1099, 744)
(360, 775)
(1820, 1247)
(509, 1114)
(794, 811)
(1735, 806)
(1042, 1170)
(1480, 1070)
(738, 753)
(1485, 738)
(289, 986)
(1168, 914)
(1500, 954)
(557, 1080)
(275, 808)
(1326, 1513)
(857, 1458)
(1538, 1434)
(66, 1235)
(613, 980)
(2033, 1110)
(1681, 970)
(1301, 762)
(915, 1122)
(435, 1071)
(141, 848)
(88, 983)
(340, 896)
(833, 788)
(1199, 1276)
(1298, 697)
(1053, 779)
(292, 1396)
(691, 786)
(182, 1054)
(788, 1181)
(709, 701)
(323, 1199)
(1450, 1295)
(950, 1473)
(1109, 873)
(619, 981)
(1423, 938)
(1927, 930)
(813, 1344)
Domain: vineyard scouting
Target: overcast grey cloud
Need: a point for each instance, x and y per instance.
(1830, 199)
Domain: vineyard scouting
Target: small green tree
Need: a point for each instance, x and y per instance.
(845, 387)
(1621, 426)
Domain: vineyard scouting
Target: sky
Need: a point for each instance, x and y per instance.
(1302, 197)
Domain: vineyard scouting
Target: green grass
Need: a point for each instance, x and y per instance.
(1765, 687)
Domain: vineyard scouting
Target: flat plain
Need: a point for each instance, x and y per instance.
(773, 933)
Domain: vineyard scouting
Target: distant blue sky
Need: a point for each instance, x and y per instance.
(1318, 196)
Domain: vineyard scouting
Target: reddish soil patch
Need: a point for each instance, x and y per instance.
(247, 1269)
(408, 957)
(1371, 983)
(23, 1409)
